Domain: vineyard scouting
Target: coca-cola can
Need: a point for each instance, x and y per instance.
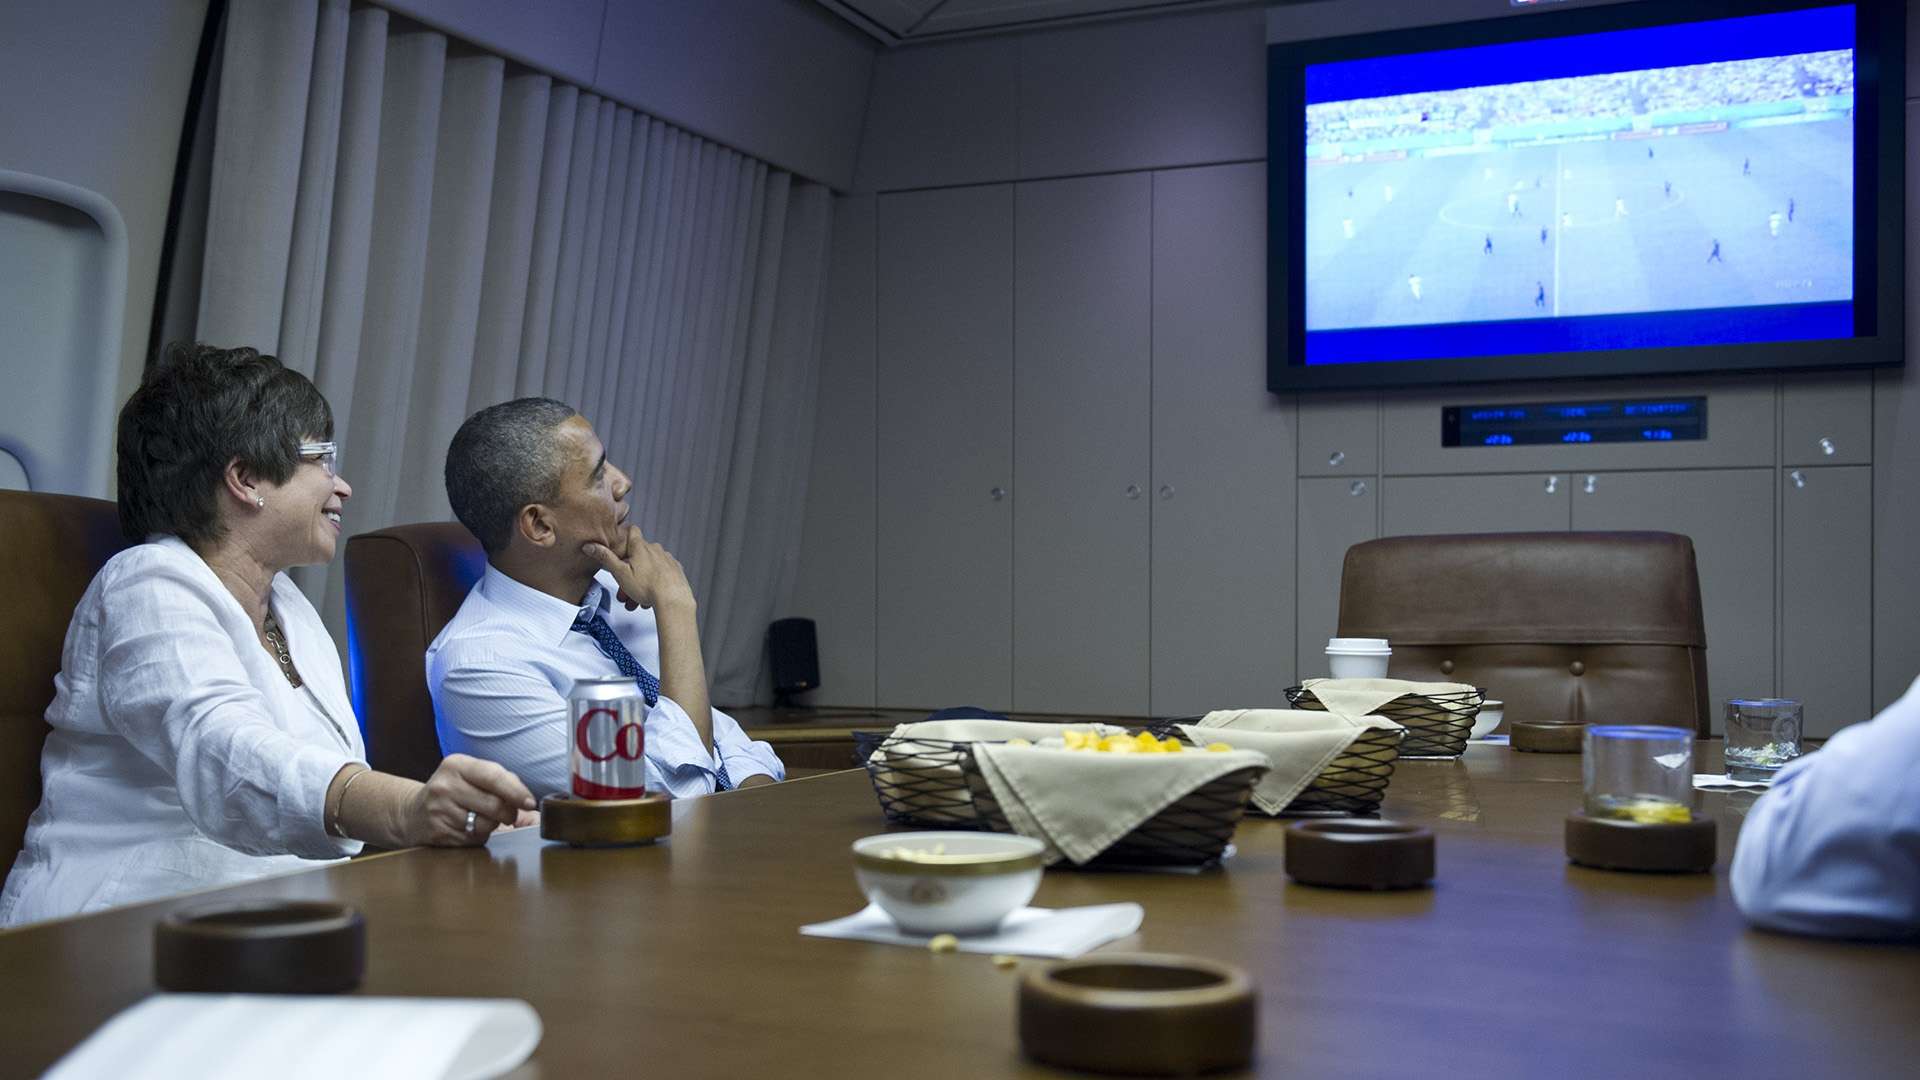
(609, 739)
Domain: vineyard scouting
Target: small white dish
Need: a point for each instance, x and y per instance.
(1490, 715)
(948, 882)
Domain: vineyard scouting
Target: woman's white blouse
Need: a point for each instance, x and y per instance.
(180, 756)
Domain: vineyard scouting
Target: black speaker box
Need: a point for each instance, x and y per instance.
(796, 661)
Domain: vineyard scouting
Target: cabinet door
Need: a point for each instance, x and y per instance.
(944, 558)
(1082, 385)
(1730, 517)
(1339, 436)
(1826, 419)
(1431, 505)
(1826, 594)
(1223, 452)
(1335, 514)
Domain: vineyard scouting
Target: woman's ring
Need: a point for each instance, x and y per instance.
(470, 820)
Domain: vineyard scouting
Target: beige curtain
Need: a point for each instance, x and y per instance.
(425, 229)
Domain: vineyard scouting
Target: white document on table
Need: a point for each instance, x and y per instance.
(291, 1037)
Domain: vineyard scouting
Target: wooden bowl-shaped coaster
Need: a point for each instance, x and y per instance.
(606, 822)
(1355, 853)
(1667, 848)
(1139, 1014)
(275, 947)
(1545, 738)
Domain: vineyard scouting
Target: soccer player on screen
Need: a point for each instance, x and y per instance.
(1487, 248)
(1539, 294)
(1789, 210)
(1714, 255)
(1773, 223)
(1413, 282)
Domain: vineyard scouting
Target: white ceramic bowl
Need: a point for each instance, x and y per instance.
(1488, 719)
(948, 882)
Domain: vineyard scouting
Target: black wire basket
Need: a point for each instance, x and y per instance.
(1192, 831)
(1351, 785)
(919, 781)
(1437, 724)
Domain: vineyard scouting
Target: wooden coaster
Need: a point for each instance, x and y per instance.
(1142, 1014)
(606, 822)
(277, 947)
(1359, 854)
(1613, 844)
(1545, 738)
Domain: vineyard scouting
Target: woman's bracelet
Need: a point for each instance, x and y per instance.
(340, 803)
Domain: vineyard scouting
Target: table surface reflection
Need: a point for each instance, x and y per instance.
(683, 959)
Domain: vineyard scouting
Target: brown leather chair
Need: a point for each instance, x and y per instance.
(403, 584)
(1563, 627)
(51, 546)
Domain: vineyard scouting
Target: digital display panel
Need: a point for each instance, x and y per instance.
(1681, 419)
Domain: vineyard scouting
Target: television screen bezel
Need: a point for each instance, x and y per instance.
(1879, 206)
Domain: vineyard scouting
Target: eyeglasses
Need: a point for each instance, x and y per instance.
(323, 454)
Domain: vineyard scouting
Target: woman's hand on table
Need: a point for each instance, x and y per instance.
(437, 812)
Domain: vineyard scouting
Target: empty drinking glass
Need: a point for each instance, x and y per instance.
(1762, 735)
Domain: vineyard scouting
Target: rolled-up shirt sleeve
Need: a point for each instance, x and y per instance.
(1834, 847)
(743, 757)
(174, 688)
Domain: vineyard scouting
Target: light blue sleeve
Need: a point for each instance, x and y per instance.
(1834, 847)
(744, 757)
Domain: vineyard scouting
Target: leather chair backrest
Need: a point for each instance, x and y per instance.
(1601, 627)
(403, 585)
(51, 546)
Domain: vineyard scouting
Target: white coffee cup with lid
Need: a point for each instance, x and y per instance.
(1358, 657)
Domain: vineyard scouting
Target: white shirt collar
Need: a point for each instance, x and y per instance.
(547, 615)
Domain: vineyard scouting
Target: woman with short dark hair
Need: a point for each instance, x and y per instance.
(202, 733)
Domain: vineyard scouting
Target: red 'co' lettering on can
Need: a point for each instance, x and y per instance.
(607, 739)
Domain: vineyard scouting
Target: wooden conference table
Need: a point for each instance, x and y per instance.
(683, 959)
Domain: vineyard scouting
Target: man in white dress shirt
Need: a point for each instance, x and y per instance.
(1833, 848)
(531, 480)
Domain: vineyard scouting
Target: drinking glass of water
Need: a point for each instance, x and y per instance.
(1762, 735)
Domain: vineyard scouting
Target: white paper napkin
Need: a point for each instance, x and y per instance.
(1061, 933)
(291, 1037)
(1706, 781)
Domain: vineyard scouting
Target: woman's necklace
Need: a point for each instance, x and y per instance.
(279, 642)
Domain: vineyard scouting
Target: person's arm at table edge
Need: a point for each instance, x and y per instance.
(1834, 848)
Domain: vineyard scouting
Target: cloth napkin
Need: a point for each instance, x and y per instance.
(931, 764)
(1359, 697)
(1031, 931)
(1078, 802)
(292, 1037)
(1297, 744)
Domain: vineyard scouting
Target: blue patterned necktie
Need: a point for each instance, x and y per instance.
(616, 650)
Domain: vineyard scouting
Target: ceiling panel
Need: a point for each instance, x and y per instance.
(899, 21)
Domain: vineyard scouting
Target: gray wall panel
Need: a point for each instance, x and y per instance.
(1826, 591)
(945, 409)
(1223, 457)
(1335, 514)
(1143, 94)
(835, 585)
(1082, 406)
(1431, 505)
(1339, 436)
(941, 115)
(1826, 419)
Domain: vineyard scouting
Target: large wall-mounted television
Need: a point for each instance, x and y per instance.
(1631, 189)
